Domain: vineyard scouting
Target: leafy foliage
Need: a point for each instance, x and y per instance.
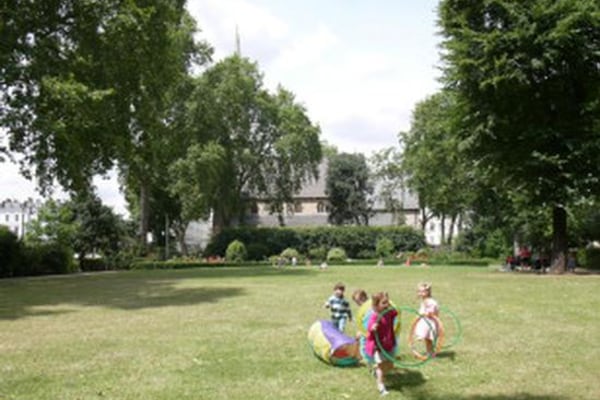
(348, 189)
(354, 239)
(236, 252)
(527, 80)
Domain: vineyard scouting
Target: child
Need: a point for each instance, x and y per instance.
(426, 327)
(361, 299)
(381, 326)
(340, 308)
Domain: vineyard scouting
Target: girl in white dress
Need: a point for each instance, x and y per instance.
(426, 328)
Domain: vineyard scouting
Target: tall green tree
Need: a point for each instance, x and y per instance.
(349, 189)
(527, 74)
(87, 84)
(55, 102)
(271, 146)
(436, 169)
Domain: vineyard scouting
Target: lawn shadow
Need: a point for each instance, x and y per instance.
(247, 271)
(400, 379)
(447, 354)
(33, 297)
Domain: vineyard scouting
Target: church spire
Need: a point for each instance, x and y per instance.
(238, 47)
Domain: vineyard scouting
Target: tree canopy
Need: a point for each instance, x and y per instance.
(527, 77)
(348, 189)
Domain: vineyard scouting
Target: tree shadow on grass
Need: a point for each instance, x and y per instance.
(126, 290)
(53, 295)
(246, 271)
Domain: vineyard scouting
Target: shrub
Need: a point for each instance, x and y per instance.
(47, 259)
(11, 252)
(354, 239)
(384, 247)
(236, 252)
(93, 264)
(592, 258)
(337, 254)
(318, 253)
(290, 253)
(257, 251)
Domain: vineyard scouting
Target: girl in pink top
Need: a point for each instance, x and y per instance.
(381, 326)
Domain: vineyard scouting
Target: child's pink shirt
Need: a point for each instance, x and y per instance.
(385, 330)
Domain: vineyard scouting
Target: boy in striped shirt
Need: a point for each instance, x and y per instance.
(339, 306)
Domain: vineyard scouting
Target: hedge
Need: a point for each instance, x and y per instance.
(355, 240)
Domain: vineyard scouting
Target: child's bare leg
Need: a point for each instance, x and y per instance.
(429, 346)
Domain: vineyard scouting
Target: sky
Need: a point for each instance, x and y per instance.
(359, 67)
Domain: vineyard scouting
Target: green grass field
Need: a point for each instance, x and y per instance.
(240, 333)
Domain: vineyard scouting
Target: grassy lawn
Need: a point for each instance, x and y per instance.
(240, 333)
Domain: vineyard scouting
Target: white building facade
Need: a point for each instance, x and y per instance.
(16, 214)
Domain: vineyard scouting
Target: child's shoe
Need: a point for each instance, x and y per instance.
(383, 392)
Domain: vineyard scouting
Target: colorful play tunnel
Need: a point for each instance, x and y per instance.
(333, 346)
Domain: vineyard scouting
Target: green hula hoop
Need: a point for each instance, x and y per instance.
(390, 357)
(458, 335)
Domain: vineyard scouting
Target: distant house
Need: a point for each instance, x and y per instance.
(16, 214)
(311, 208)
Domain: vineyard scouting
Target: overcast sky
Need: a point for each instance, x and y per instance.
(359, 67)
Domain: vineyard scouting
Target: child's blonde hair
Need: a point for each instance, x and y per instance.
(426, 286)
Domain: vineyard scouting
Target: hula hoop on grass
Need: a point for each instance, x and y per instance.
(436, 329)
(395, 359)
(453, 330)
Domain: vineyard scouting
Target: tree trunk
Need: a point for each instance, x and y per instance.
(443, 229)
(144, 216)
(424, 219)
(180, 235)
(559, 239)
(451, 230)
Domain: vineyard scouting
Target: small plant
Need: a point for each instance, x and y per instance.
(337, 254)
(384, 247)
(236, 252)
(290, 253)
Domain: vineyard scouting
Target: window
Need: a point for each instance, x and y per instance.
(432, 227)
(320, 207)
(298, 207)
(6, 217)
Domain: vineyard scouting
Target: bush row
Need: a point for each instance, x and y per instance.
(357, 241)
(17, 259)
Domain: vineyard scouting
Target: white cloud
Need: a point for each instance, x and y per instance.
(259, 29)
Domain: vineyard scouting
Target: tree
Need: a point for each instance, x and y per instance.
(99, 230)
(271, 146)
(87, 84)
(195, 181)
(348, 189)
(527, 75)
(433, 162)
(55, 223)
(389, 178)
(54, 101)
